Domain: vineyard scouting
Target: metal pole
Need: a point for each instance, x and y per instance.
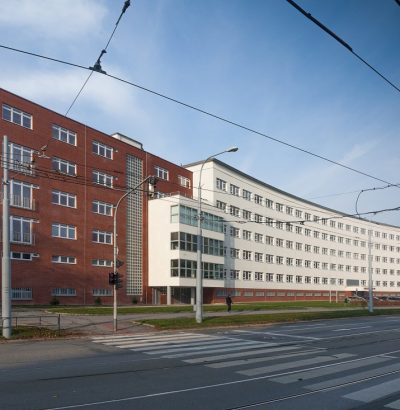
(199, 271)
(115, 253)
(6, 266)
(370, 288)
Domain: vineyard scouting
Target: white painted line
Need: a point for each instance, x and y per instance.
(375, 392)
(355, 376)
(225, 349)
(225, 345)
(350, 328)
(291, 365)
(235, 363)
(294, 336)
(183, 346)
(394, 405)
(240, 354)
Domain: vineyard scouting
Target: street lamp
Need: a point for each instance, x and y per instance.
(152, 181)
(199, 271)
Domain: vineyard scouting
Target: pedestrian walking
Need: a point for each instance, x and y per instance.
(229, 302)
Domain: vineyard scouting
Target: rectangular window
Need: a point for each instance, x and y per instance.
(103, 150)
(258, 237)
(235, 253)
(21, 230)
(102, 262)
(21, 195)
(63, 166)
(234, 190)
(259, 276)
(63, 259)
(247, 275)
(246, 195)
(63, 199)
(21, 293)
(102, 208)
(279, 207)
(161, 173)
(183, 181)
(17, 116)
(269, 203)
(21, 159)
(63, 292)
(235, 232)
(234, 211)
(246, 214)
(221, 184)
(258, 218)
(269, 240)
(246, 235)
(269, 277)
(258, 199)
(102, 237)
(21, 256)
(63, 231)
(102, 179)
(258, 257)
(221, 205)
(102, 292)
(64, 135)
(247, 255)
(269, 258)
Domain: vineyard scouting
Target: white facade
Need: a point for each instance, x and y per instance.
(275, 244)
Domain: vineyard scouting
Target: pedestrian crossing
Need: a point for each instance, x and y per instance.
(311, 368)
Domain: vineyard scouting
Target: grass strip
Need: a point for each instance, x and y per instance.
(239, 307)
(237, 320)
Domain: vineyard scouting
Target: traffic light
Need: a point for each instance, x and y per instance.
(111, 278)
(118, 280)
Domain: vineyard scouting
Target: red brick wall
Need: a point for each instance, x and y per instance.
(41, 274)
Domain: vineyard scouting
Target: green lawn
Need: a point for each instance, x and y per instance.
(239, 307)
(249, 319)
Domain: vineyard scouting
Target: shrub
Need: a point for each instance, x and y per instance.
(97, 301)
(54, 301)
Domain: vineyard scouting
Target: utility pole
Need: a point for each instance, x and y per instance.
(370, 287)
(5, 262)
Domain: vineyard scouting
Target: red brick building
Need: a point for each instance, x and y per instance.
(65, 179)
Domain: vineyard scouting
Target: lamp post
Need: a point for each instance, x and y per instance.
(199, 270)
(152, 180)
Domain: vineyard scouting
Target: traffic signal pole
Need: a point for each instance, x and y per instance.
(116, 283)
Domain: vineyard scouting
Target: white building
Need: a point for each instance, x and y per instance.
(261, 243)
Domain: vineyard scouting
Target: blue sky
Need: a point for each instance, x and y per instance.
(256, 62)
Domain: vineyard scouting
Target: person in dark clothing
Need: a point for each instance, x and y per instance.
(229, 302)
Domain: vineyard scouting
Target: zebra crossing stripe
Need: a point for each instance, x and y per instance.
(235, 363)
(325, 371)
(290, 365)
(375, 392)
(219, 349)
(208, 359)
(185, 346)
(216, 344)
(355, 376)
(394, 405)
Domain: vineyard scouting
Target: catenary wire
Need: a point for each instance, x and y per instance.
(124, 8)
(210, 114)
(341, 41)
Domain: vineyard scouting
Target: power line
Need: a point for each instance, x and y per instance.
(97, 65)
(341, 41)
(215, 116)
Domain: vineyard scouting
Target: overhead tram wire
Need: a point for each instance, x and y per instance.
(210, 114)
(341, 41)
(97, 65)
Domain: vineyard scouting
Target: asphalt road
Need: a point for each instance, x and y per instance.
(330, 364)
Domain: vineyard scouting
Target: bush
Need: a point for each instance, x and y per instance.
(54, 301)
(97, 301)
(134, 300)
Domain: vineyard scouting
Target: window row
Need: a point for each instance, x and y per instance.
(289, 210)
(21, 232)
